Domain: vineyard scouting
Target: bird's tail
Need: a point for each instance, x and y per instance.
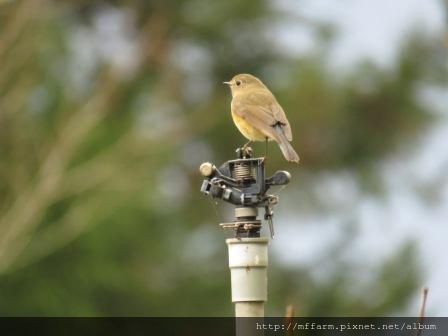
(288, 152)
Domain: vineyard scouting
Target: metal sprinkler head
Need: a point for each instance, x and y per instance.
(242, 182)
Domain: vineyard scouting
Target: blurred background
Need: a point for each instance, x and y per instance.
(107, 108)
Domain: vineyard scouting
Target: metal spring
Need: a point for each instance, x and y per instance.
(243, 171)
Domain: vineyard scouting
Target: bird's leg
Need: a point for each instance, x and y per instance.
(247, 144)
(266, 147)
(265, 151)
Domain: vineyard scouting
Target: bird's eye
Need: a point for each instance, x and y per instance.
(238, 83)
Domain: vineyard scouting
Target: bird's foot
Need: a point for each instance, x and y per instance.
(245, 151)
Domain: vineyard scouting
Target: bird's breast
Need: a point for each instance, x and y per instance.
(247, 129)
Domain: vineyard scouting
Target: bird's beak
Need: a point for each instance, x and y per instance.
(228, 83)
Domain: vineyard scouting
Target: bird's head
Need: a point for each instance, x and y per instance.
(243, 82)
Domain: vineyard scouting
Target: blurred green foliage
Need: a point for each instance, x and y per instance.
(100, 213)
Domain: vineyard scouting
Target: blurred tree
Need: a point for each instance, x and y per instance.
(107, 109)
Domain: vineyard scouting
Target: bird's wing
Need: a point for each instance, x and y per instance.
(280, 116)
(262, 113)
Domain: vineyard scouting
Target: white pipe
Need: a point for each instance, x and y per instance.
(249, 309)
(248, 262)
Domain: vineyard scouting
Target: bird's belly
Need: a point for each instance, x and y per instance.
(247, 130)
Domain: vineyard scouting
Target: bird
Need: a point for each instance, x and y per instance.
(257, 114)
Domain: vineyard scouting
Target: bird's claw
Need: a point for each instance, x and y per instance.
(244, 152)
